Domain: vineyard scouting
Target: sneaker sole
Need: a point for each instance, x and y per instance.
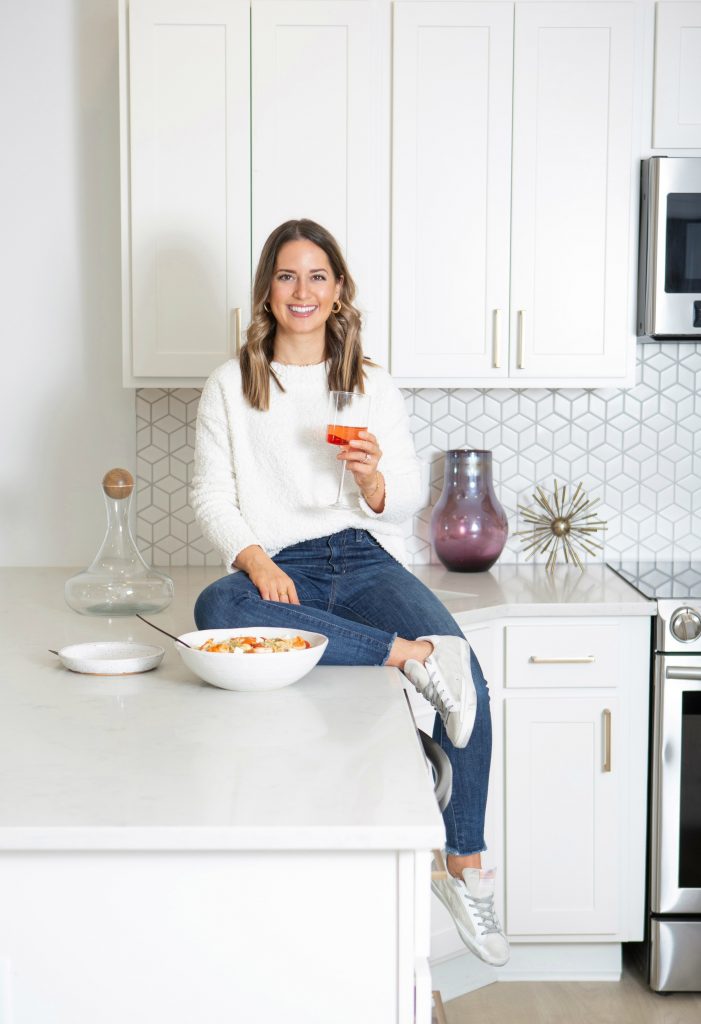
(468, 939)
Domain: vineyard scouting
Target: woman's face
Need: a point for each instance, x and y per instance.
(303, 288)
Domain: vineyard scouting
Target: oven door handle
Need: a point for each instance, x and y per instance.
(680, 672)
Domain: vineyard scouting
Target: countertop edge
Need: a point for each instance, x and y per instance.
(643, 609)
(175, 839)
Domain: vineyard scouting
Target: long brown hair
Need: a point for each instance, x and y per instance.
(344, 353)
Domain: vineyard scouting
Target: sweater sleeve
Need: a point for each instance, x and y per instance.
(399, 465)
(213, 494)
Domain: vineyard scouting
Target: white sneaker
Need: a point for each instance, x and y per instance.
(445, 680)
(470, 902)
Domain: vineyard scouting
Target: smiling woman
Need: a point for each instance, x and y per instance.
(302, 298)
(264, 480)
(303, 312)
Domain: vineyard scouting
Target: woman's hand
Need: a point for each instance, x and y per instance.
(273, 584)
(362, 457)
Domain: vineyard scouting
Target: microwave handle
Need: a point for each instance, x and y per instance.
(654, 229)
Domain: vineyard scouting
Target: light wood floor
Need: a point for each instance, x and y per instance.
(626, 1002)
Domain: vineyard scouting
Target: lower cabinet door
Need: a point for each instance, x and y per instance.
(563, 837)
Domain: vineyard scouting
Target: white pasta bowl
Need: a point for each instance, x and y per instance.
(268, 671)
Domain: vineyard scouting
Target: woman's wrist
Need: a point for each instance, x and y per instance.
(249, 557)
(375, 488)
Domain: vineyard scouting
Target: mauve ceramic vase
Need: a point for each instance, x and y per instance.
(468, 525)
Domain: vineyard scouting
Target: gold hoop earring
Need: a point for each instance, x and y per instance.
(267, 308)
(333, 308)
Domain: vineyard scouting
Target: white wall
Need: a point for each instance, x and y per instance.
(64, 416)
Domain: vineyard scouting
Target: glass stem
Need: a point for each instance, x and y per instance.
(340, 486)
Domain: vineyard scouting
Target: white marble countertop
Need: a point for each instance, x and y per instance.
(164, 761)
(528, 590)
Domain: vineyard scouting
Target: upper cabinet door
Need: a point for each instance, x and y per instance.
(188, 183)
(320, 143)
(677, 118)
(574, 81)
(450, 189)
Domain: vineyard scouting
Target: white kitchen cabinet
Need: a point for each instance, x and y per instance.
(563, 820)
(511, 218)
(575, 738)
(677, 110)
(320, 135)
(557, 211)
(185, 182)
(566, 812)
(574, 80)
(578, 653)
(203, 185)
(451, 184)
(241, 936)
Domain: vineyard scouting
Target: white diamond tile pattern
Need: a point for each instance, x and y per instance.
(165, 524)
(637, 450)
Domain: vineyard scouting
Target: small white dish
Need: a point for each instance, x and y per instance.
(251, 671)
(111, 658)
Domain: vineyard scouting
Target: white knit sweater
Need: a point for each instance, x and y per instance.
(267, 477)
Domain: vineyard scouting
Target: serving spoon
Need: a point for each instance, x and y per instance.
(165, 631)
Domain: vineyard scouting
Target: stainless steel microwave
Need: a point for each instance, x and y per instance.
(669, 281)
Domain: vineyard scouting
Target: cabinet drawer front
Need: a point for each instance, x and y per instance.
(563, 654)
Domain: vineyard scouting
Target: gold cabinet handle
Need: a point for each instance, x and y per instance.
(237, 329)
(519, 352)
(587, 659)
(606, 714)
(496, 338)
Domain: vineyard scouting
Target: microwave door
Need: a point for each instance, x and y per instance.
(674, 247)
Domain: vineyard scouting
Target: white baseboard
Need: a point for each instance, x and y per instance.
(460, 973)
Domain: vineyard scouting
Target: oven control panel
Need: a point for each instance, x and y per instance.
(678, 626)
(686, 625)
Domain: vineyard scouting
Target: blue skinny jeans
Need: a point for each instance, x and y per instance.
(361, 598)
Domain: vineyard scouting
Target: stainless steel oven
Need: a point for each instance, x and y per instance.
(669, 282)
(673, 932)
(675, 851)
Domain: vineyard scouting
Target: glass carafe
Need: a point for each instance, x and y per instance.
(118, 582)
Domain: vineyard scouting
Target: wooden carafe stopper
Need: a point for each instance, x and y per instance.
(118, 483)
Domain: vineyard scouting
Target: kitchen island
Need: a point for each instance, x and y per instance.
(172, 851)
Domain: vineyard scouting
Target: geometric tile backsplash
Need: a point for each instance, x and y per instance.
(638, 450)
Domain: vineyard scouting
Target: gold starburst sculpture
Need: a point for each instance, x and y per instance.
(557, 524)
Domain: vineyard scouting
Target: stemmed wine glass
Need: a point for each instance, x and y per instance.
(348, 414)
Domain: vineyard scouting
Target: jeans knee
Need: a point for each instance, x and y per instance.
(202, 609)
(215, 608)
